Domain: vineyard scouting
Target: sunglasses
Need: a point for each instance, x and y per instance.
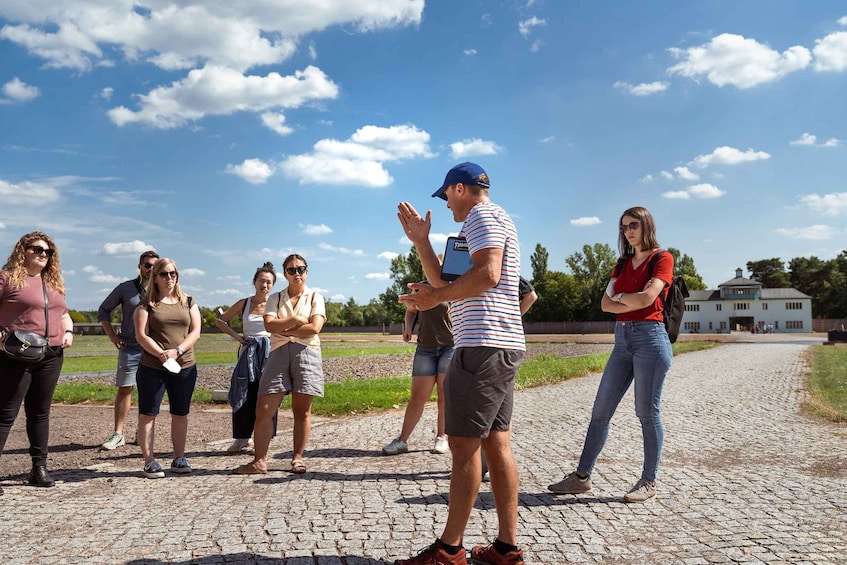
(168, 274)
(632, 226)
(38, 250)
(148, 265)
(296, 270)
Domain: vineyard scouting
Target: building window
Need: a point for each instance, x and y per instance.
(692, 307)
(764, 305)
(723, 326)
(710, 326)
(793, 305)
(741, 305)
(693, 327)
(718, 307)
(776, 325)
(794, 325)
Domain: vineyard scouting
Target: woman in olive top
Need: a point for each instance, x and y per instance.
(167, 325)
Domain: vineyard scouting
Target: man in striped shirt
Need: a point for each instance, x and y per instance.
(490, 345)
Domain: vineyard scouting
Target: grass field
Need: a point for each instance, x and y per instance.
(828, 382)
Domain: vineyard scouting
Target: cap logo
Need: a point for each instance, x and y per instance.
(483, 178)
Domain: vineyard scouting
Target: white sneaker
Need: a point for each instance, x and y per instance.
(240, 445)
(115, 440)
(396, 447)
(441, 445)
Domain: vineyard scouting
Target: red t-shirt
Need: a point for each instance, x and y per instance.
(634, 280)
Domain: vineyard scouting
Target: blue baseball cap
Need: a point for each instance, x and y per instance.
(465, 173)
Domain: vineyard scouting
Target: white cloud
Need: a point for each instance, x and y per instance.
(685, 174)
(643, 89)
(312, 229)
(98, 276)
(276, 123)
(192, 272)
(842, 20)
(469, 52)
(666, 175)
(472, 147)
(378, 276)
(27, 194)
(219, 91)
(342, 250)
(2, 226)
(730, 59)
(585, 221)
(704, 190)
(183, 35)
(729, 156)
(254, 171)
(106, 93)
(812, 140)
(17, 90)
(834, 204)
(358, 160)
(536, 46)
(548, 139)
(816, 232)
(390, 255)
(647, 178)
(831, 52)
(134, 247)
(525, 27)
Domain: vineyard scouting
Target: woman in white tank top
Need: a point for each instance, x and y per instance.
(251, 310)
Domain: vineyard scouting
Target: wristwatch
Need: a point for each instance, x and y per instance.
(179, 350)
(619, 296)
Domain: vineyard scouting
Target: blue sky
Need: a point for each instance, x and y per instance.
(224, 134)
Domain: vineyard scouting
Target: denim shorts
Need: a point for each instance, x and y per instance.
(128, 357)
(431, 361)
(152, 384)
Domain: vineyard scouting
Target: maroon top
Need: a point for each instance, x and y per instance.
(23, 309)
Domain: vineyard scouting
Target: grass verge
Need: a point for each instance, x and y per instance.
(827, 382)
(356, 396)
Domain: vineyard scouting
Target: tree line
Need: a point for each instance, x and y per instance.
(575, 295)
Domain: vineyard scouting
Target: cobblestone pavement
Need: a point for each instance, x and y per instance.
(745, 478)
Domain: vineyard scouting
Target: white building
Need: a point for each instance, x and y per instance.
(740, 304)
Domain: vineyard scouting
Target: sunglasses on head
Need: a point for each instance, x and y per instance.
(38, 250)
(296, 270)
(168, 274)
(632, 226)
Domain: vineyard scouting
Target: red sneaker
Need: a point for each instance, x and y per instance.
(435, 555)
(487, 555)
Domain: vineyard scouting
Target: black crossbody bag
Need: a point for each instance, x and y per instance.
(26, 346)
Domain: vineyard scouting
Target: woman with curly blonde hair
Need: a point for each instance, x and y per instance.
(32, 298)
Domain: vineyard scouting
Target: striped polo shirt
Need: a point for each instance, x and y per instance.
(492, 319)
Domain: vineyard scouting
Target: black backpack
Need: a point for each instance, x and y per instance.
(673, 303)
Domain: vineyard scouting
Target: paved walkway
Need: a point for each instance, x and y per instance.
(745, 479)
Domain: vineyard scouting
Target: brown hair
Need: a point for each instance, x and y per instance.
(648, 231)
(16, 273)
(152, 298)
(147, 254)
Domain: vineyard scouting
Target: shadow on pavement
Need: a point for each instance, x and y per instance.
(264, 559)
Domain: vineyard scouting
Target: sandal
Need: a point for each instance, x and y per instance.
(249, 469)
(297, 466)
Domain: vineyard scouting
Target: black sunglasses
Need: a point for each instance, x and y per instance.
(148, 265)
(38, 250)
(632, 226)
(296, 270)
(168, 274)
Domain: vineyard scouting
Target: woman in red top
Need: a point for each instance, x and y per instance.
(32, 271)
(642, 354)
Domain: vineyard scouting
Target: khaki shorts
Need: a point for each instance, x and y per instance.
(293, 368)
(479, 390)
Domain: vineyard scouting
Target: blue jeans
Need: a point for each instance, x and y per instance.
(642, 353)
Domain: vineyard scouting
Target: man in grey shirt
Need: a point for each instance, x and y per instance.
(127, 295)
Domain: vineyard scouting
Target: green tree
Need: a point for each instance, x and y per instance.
(557, 298)
(404, 270)
(374, 313)
(352, 313)
(591, 270)
(684, 266)
(814, 277)
(770, 272)
(539, 263)
(334, 312)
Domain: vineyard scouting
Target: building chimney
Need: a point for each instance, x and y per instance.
(738, 273)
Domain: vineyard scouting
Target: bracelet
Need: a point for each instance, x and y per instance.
(179, 350)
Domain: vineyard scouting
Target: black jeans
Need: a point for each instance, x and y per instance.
(32, 385)
(244, 418)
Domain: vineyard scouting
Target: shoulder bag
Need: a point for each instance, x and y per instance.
(26, 346)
